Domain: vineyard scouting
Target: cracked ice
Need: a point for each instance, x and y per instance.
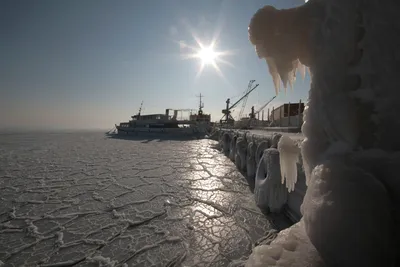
(85, 200)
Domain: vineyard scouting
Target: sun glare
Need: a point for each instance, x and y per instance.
(207, 55)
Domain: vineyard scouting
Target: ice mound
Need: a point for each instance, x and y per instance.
(102, 262)
(59, 239)
(291, 248)
(345, 205)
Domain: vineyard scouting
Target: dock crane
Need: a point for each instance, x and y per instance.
(247, 123)
(253, 114)
(227, 118)
(244, 101)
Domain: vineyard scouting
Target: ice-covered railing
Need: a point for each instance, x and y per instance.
(270, 163)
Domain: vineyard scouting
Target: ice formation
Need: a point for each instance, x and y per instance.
(251, 161)
(260, 150)
(232, 150)
(291, 248)
(102, 261)
(289, 155)
(241, 153)
(226, 143)
(275, 140)
(350, 125)
(270, 194)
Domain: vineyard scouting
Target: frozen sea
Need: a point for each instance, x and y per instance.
(86, 199)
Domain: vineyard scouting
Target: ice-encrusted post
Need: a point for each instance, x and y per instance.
(251, 166)
(241, 152)
(260, 150)
(270, 194)
(232, 151)
(275, 139)
(226, 143)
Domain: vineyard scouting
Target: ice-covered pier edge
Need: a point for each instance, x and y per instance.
(351, 147)
(271, 164)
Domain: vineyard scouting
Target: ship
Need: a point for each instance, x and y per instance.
(197, 124)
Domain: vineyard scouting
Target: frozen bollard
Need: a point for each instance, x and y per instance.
(226, 143)
(260, 150)
(251, 166)
(270, 194)
(232, 152)
(241, 151)
(275, 139)
(221, 139)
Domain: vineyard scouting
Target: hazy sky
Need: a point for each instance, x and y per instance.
(89, 64)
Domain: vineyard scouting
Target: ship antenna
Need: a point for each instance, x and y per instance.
(140, 109)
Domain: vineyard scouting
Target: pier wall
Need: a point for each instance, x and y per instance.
(259, 156)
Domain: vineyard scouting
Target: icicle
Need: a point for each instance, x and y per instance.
(307, 172)
(289, 155)
(292, 73)
(292, 78)
(287, 76)
(273, 70)
(284, 78)
(302, 69)
(308, 70)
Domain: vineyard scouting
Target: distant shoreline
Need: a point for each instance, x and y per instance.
(55, 131)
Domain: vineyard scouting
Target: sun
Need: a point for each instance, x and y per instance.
(207, 55)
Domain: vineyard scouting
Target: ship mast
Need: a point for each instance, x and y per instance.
(140, 109)
(201, 105)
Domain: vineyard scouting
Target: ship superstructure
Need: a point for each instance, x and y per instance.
(167, 122)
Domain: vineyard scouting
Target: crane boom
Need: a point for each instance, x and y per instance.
(263, 106)
(227, 112)
(237, 102)
(244, 102)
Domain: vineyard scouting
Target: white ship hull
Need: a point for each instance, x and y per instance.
(134, 130)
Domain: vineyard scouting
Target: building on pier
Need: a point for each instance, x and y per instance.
(287, 115)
